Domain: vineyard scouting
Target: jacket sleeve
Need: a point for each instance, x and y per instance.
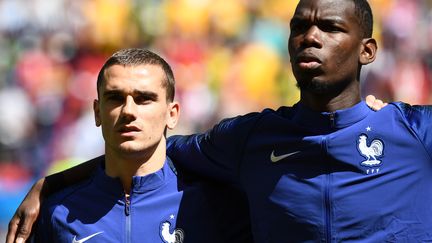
(217, 153)
(420, 120)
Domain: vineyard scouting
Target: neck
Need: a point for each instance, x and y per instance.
(126, 165)
(328, 102)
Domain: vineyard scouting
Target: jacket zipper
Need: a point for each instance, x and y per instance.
(327, 193)
(328, 209)
(128, 217)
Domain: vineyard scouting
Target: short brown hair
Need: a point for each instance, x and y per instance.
(135, 57)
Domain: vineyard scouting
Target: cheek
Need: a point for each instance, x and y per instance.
(110, 117)
(292, 46)
(343, 57)
(155, 120)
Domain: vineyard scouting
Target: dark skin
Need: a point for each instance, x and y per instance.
(327, 50)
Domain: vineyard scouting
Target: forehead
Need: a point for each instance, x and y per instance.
(141, 77)
(341, 10)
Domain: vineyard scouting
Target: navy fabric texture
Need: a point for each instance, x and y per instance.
(352, 175)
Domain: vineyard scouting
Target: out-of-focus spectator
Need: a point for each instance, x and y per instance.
(229, 58)
(403, 28)
(16, 120)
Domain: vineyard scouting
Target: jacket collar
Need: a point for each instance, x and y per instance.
(140, 184)
(330, 121)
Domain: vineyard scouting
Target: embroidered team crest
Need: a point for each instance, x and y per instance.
(169, 235)
(371, 152)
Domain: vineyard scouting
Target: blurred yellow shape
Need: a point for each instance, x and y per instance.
(188, 17)
(229, 18)
(260, 67)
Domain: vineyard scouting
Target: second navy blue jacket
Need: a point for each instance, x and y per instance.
(353, 175)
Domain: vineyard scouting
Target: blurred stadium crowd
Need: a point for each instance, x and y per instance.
(229, 57)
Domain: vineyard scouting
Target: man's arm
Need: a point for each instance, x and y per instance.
(215, 154)
(20, 226)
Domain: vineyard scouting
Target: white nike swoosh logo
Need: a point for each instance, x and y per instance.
(86, 238)
(275, 158)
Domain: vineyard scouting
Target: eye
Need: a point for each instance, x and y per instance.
(299, 26)
(144, 99)
(329, 26)
(115, 98)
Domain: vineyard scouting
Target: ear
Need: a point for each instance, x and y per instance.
(368, 51)
(173, 114)
(96, 112)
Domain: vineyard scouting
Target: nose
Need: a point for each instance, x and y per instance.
(312, 37)
(129, 107)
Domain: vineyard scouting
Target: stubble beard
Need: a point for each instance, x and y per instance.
(318, 87)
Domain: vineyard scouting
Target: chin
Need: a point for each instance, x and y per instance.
(137, 148)
(132, 154)
(317, 86)
(130, 148)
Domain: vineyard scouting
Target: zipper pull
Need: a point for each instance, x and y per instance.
(127, 204)
(332, 119)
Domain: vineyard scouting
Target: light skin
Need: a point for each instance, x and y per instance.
(133, 112)
(327, 52)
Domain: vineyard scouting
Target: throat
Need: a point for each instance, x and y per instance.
(323, 103)
(332, 99)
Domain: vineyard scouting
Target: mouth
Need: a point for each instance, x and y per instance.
(308, 61)
(128, 129)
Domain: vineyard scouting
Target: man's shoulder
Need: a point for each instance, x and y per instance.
(73, 191)
(67, 194)
(408, 108)
(417, 118)
(413, 113)
(253, 117)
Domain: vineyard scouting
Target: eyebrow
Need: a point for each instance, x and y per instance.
(333, 19)
(329, 19)
(148, 94)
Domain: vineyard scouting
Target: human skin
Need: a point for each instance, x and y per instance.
(327, 49)
(325, 86)
(134, 112)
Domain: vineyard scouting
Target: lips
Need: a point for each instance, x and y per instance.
(129, 128)
(308, 61)
(308, 58)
